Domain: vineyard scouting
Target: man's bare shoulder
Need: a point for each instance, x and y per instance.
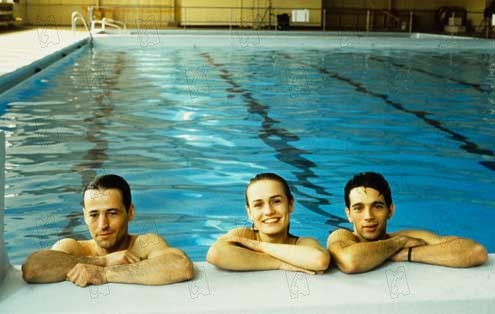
(342, 235)
(144, 244)
(75, 247)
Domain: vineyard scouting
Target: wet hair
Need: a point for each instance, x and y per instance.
(111, 181)
(370, 180)
(273, 177)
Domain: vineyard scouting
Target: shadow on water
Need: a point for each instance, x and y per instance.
(275, 136)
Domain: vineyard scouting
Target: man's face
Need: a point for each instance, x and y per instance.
(268, 207)
(106, 217)
(369, 213)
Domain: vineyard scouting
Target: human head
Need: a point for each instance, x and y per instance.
(368, 205)
(111, 181)
(269, 203)
(107, 211)
(369, 179)
(273, 177)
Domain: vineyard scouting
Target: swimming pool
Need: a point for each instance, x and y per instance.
(188, 126)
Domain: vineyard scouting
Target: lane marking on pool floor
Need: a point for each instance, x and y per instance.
(278, 138)
(467, 145)
(475, 86)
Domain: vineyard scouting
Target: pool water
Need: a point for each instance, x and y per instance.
(189, 127)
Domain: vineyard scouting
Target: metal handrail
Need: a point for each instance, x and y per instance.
(387, 13)
(76, 16)
(108, 22)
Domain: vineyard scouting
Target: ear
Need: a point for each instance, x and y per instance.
(248, 212)
(348, 214)
(130, 214)
(391, 210)
(291, 206)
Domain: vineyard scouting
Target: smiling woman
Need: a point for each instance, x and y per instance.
(268, 244)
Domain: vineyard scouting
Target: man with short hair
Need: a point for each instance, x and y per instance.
(368, 207)
(112, 255)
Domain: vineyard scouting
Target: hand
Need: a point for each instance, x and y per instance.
(244, 242)
(121, 257)
(400, 256)
(290, 267)
(411, 242)
(85, 274)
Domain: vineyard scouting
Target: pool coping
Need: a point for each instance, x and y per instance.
(393, 288)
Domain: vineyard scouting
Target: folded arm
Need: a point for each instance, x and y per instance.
(236, 252)
(53, 265)
(150, 262)
(444, 251)
(352, 256)
(166, 266)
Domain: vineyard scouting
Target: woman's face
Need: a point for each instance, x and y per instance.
(268, 207)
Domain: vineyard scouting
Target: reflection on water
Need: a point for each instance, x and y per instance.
(188, 129)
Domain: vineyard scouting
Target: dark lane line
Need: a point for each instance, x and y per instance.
(477, 87)
(466, 144)
(278, 138)
(96, 156)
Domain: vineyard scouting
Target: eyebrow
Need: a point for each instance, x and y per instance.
(373, 203)
(271, 197)
(103, 210)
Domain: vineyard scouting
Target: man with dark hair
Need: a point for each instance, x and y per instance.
(112, 255)
(369, 205)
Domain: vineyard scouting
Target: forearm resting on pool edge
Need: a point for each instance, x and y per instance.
(455, 252)
(226, 255)
(51, 266)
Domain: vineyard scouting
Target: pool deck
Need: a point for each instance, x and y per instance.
(23, 53)
(393, 288)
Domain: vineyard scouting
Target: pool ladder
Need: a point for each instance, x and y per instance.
(108, 22)
(76, 16)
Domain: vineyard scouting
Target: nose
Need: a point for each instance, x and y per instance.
(368, 214)
(268, 209)
(102, 222)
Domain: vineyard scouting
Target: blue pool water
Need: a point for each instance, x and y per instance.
(188, 128)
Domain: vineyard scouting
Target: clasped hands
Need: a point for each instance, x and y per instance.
(409, 242)
(85, 274)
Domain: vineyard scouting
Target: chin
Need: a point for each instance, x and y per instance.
(106, 244)
(272, 231)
